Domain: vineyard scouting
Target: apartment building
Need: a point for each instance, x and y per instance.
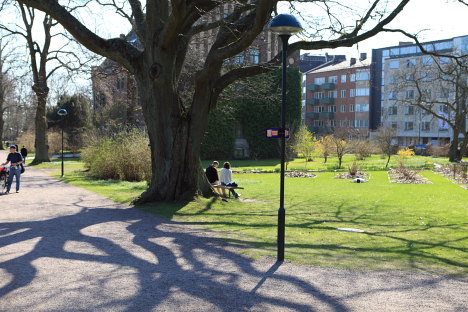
(337, 95)
(402, 78)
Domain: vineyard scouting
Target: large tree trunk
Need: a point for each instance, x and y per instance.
(40, 143)
(175, 138)
(2, 124)
(453, 150)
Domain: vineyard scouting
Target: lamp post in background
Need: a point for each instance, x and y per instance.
(284, 25)
(62, 112)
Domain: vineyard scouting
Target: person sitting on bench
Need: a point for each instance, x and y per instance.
(226, 178)
(212, 174)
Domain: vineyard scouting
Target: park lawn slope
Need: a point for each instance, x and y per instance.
(406, 227)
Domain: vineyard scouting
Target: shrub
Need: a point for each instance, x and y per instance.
(54, 139)
(362, 149)
(353, 169)
(406, 152)
(440, 151)
(124, 156)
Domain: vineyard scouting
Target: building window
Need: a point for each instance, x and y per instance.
(444, 60)
(343, 78)
(426, 77)
(409, 77)
(343, 108)
(444, 93)
(333, 94)
(361, 123)
(351, 123)
(239, 58)
(426, 126)
(443, 108)
(409, 94)
(362, 107)
(352, 77)
(351, 107)
(333, 123)
(318, 123)
(362, 75)
(343, 93)
(411, 62)
(333, 79)
(120, 83)
(427, 60)
(393, 110)
(343, 123)
(319, 80)
(409, 110)
(426, 95)
(254, 56)
(352, 92)
(393, 79)
(318, 95)
(362, 92)
(332, 109)
(394, 64)
(408, 125)
(392, 95)
(394, 125)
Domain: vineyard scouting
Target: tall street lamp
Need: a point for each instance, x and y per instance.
(284, 25)
(62, 112)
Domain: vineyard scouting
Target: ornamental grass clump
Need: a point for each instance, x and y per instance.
(122, 156)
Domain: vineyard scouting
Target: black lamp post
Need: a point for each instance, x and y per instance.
(62, 112)
(284, 25)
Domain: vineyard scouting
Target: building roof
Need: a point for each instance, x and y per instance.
(341, 65)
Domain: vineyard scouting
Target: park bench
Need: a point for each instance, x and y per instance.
(225, 187)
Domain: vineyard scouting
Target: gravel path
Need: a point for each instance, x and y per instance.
(63, 248)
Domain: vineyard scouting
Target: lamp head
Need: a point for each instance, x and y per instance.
(62, 112)
(285, 24)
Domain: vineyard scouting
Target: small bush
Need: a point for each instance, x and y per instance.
(353, 169)
(439, 151)
(54, 139)
(124, 156)
(406, 152)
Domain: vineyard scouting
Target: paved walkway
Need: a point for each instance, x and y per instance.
(63, 248)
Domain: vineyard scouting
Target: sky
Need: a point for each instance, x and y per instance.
(431, 19)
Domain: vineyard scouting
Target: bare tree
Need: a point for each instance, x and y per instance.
(165, 30)
(340, 143)
(325, 147)
(45, 60)
(384, 140)
(438, 88)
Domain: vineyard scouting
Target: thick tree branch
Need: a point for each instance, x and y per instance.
(116, 49)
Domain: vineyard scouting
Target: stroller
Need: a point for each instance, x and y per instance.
(3, 179)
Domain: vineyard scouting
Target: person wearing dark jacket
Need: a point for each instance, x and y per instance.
(212, 173)
(15, 159)
(24, 152)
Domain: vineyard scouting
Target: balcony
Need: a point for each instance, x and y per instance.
(312, 115)
(316, 129)
(312, 101)
(327, 100)
(327, 115)
(313, 87)
(328, 86)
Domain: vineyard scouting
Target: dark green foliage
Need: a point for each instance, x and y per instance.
(218, 142)
(255, 104)
(78, 120)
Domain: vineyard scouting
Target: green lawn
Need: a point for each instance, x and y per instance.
(374, 162)
(406, 226)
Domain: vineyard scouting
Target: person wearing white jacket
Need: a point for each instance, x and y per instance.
(225, 177)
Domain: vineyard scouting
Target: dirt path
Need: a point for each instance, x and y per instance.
(63, 248)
